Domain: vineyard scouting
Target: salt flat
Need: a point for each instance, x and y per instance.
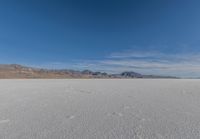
(100, 109)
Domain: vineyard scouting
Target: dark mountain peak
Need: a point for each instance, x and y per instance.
(131, 74)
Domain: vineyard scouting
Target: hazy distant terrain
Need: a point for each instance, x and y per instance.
(14, 71)
(100, 109)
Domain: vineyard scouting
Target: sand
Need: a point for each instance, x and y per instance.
(100, 109)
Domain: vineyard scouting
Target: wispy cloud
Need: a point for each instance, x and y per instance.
(181, 64)
(134, 54)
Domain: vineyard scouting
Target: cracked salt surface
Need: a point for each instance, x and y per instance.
(71, 117)
(4, 121)
(100, 109)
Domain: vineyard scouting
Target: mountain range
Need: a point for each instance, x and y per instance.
(15, 71)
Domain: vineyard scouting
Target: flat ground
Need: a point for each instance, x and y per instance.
(100, 109)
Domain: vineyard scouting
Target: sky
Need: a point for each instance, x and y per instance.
(147, 36)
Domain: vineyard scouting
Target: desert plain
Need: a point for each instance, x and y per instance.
(100, 109)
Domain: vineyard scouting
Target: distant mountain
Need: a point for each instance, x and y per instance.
(131, 75)
(14, 71)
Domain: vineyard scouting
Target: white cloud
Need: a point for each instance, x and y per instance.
(181, 65)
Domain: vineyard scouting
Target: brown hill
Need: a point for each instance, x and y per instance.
(17, 71)
(14, 71)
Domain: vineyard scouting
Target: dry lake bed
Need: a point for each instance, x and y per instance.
(100, 109)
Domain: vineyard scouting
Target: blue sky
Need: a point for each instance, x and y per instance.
(146, 36)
